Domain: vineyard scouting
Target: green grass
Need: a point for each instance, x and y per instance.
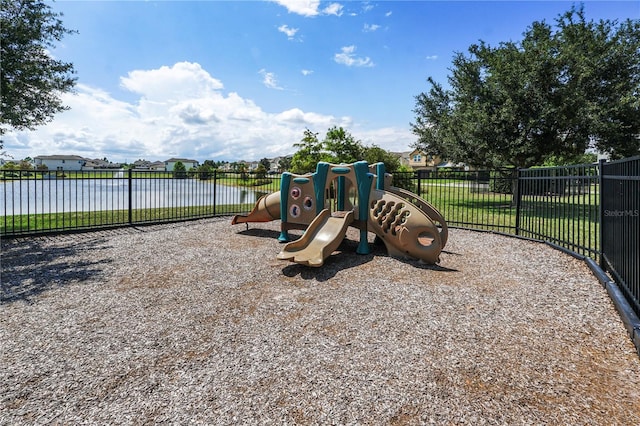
(568, 220)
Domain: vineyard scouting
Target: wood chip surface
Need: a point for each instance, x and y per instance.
(199, 323)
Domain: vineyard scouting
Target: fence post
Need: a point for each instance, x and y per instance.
(419, 183)
(215, 185)
(130, 179)
(518, 194)
(601, 212)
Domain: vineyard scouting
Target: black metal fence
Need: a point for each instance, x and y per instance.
(34, 202)
(561, 205)
(592, 210)
(620, 202)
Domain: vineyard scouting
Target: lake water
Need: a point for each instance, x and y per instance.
(35, 196)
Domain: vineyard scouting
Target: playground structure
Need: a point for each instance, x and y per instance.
(327, 202)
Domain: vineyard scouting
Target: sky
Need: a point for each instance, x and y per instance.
(242, 80)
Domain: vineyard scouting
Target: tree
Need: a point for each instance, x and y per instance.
(603, 64)
(284, 164)
(308, 155)
(265, 163)
(374, 154)
(32, 81)
(205, 170)
(179, 170)
(552, 94)
(338, 146)
(25, 164)
(241, 167)
(342, 147)
(10, 165)
(260, 173)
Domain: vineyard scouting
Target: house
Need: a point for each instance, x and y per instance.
(60, 162)
(99, 164)
(188, 164)
(418, 160)
(403, 157)
(157, 166)
(141, 165)
(275, 167)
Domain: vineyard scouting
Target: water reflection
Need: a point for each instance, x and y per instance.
(34, 196)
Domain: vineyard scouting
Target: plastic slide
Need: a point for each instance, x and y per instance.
(322, 237)
(427, 208)
(266, 209)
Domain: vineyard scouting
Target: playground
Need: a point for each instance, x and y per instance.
(337, 196)
(200, 322)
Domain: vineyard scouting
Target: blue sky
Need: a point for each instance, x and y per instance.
(241, 80)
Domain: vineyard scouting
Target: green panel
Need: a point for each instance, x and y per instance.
(380, 171)
(285, 183)
(363, 177)
(341, 170)
(320, 180)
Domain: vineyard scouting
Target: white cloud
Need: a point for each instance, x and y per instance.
(347, 57)
(290, 32)
(370, 28)
(310, 7)
(269, 79)
(392, 139)
(306, 72)
(431, 57)
(301, 7)
(389, 13)
(179, 111)
(310, 119)
(333, 9)
(176, 82)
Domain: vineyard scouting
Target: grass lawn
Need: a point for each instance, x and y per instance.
(572, 219)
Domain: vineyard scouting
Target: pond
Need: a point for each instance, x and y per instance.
(35, 196)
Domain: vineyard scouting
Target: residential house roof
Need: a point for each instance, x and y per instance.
(60, 157)
(182, 160)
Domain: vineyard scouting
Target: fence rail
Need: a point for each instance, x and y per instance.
(592, 210)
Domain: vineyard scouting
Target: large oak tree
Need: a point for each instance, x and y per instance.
(556, 93)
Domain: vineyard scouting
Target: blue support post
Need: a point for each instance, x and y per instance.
(363, 179)
(285, 183)
(380, 171)
(319, 182)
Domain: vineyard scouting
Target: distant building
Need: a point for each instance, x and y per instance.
(418, 160)
(188, 164)
(158, 166)
(60, 162)
(403, 157)
(142, 165)
(98, 164)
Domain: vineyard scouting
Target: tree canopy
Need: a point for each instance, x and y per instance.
(338, 146)
(32, 80)
(556, 93)
(179, 170)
